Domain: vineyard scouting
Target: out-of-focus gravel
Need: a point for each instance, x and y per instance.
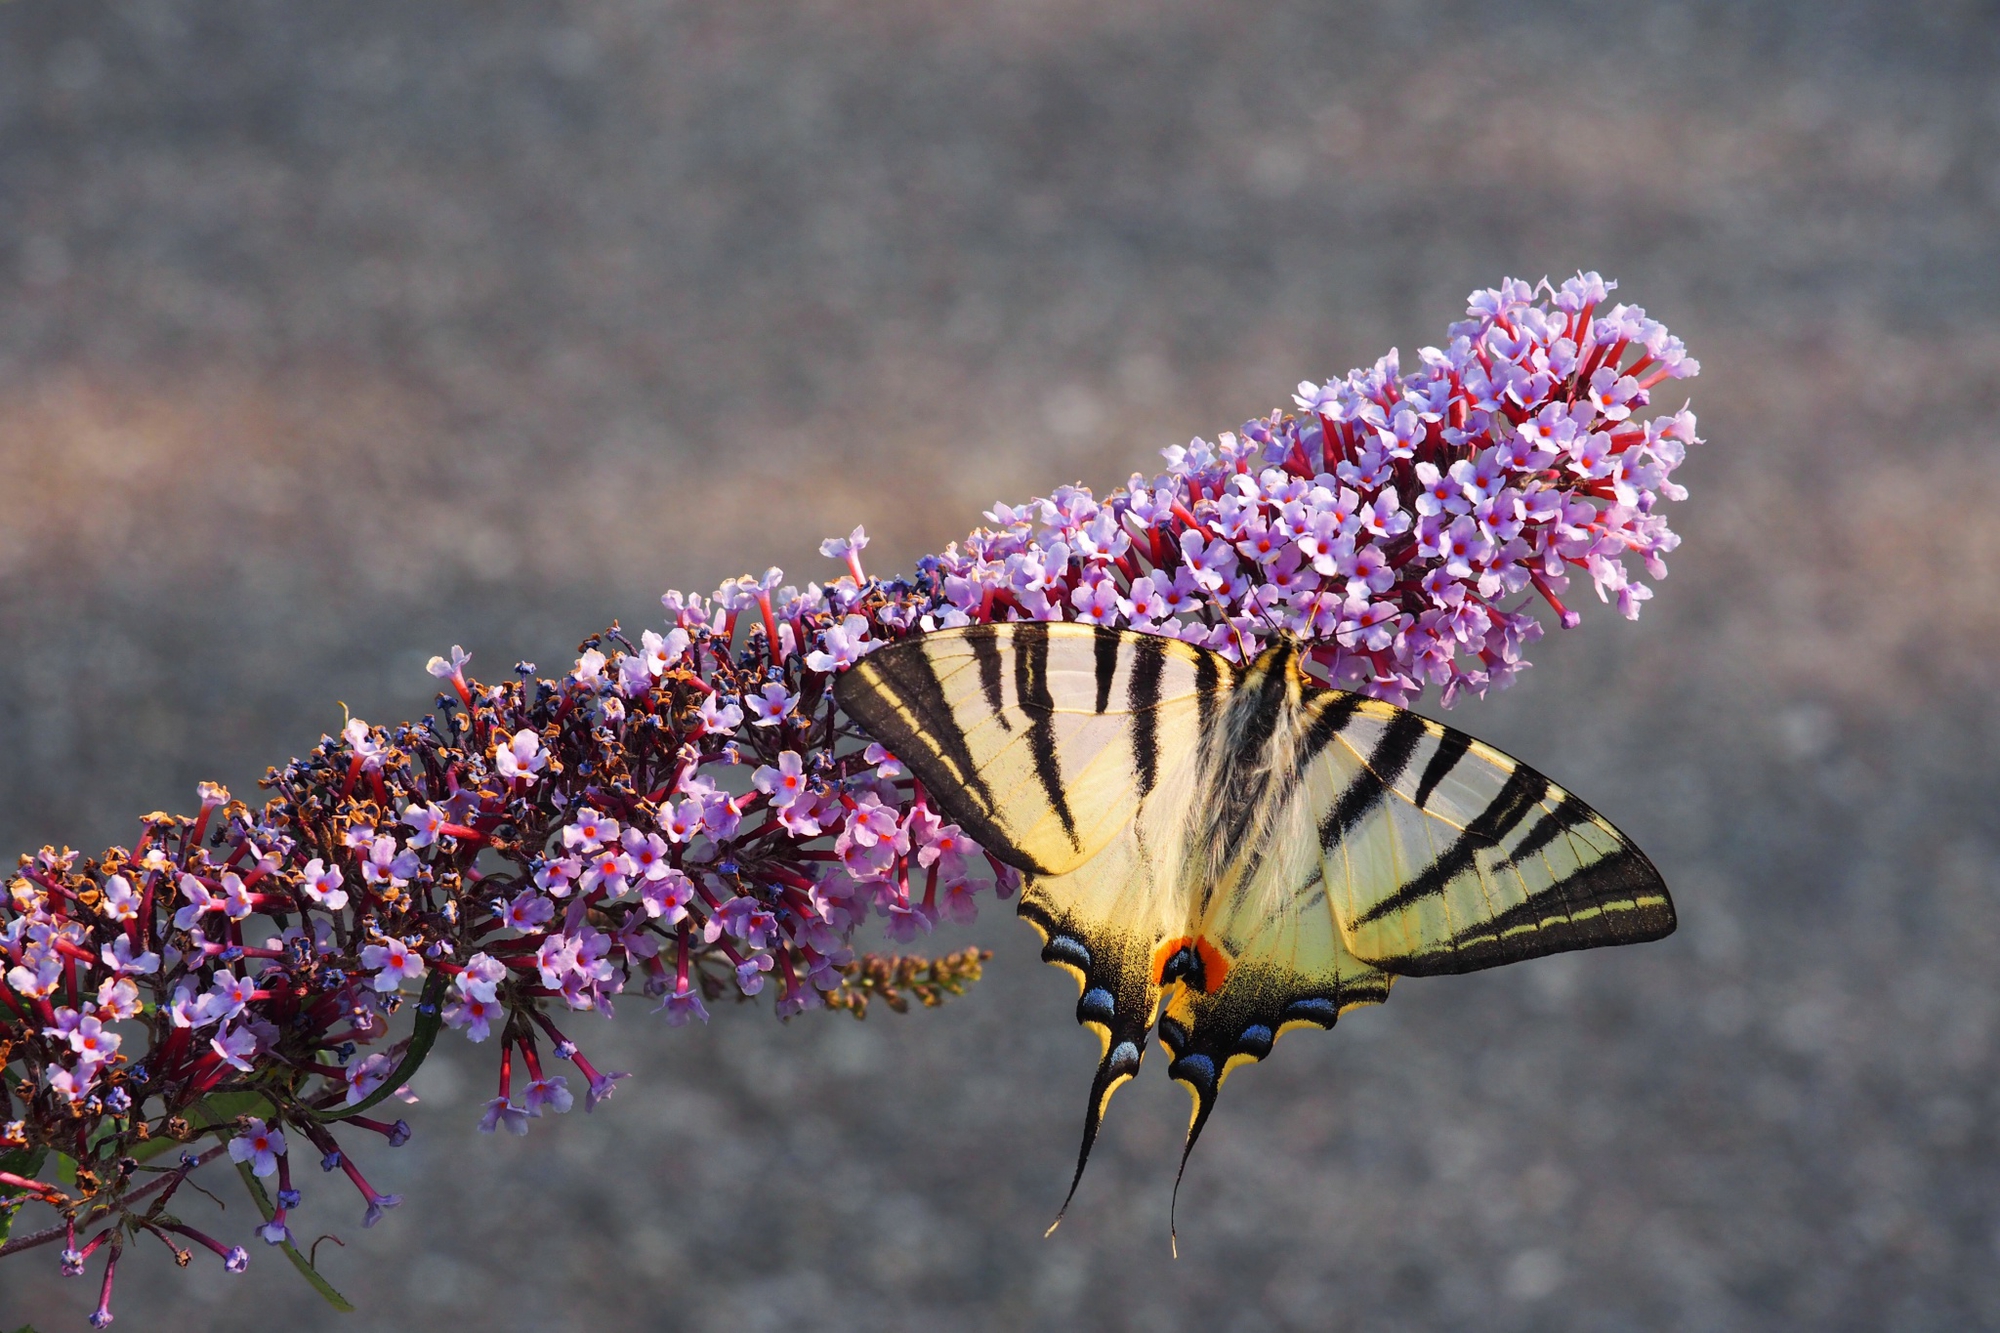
(333, 335)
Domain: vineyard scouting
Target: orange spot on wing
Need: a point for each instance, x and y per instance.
(1214, 963)
(1214, 967)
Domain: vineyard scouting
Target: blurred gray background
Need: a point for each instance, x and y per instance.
(331, 336)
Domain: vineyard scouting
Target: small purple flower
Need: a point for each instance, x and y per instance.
(1096, 601)
(845, 643)
(363, 1077)
(236, 1046)
(528, 912)
(847, 548)
(719, 717)
(785, 783)
(424, 822)
(200, 903)
(386, 864)
(118, 999)
(906, 922)
(682, 1005)
(602, 1085)
(750, 973)
(473, 1012)
(453, 670)
(608, 868)
(393, 963)
(588, 830)
(500, 1112)
(558, 875)
(1212, 562)
(519, 758)
(772, 704)
(258, 1145)
(120, 901)
(321, 884)
(119, 957)
(361, 739)
(658, 653)
(550, 1093)
(666, 897)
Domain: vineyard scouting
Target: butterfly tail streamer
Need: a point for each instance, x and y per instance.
(1119, 1065)
(1197, 1074)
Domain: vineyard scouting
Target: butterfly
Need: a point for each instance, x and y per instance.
(1237, 851)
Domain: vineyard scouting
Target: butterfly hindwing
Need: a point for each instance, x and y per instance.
(1099, 923)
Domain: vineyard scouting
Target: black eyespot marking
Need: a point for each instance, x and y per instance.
(1185, 965)
(1096, 1006)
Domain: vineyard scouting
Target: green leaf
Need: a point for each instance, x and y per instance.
(430, 1016)
(306, 1270)
(24, 1162)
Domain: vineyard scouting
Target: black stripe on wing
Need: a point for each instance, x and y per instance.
(1032, 697)
(1380, 771)
(986, 652)
(1105, 645)
(1142, 696)
(1452, 747)
(1617, 899)
(1517, 796)
(924, 733)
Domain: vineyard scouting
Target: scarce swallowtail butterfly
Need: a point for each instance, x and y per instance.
(1236, 851)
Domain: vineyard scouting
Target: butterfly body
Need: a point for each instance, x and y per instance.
(1236, 851)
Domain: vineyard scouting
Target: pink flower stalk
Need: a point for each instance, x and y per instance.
(537, 843)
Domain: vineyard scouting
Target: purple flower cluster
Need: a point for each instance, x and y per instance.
(1403, 527)
(690, 814)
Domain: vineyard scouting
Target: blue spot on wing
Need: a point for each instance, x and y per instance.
(1196, 1069)
(1314, 1009)
(1066, 949)
(1256, 1040)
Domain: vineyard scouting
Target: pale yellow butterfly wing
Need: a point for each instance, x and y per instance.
(1041, 740)
(1442, 854)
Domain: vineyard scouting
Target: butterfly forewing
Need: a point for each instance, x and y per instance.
(1444, 855)
(1040, 739)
